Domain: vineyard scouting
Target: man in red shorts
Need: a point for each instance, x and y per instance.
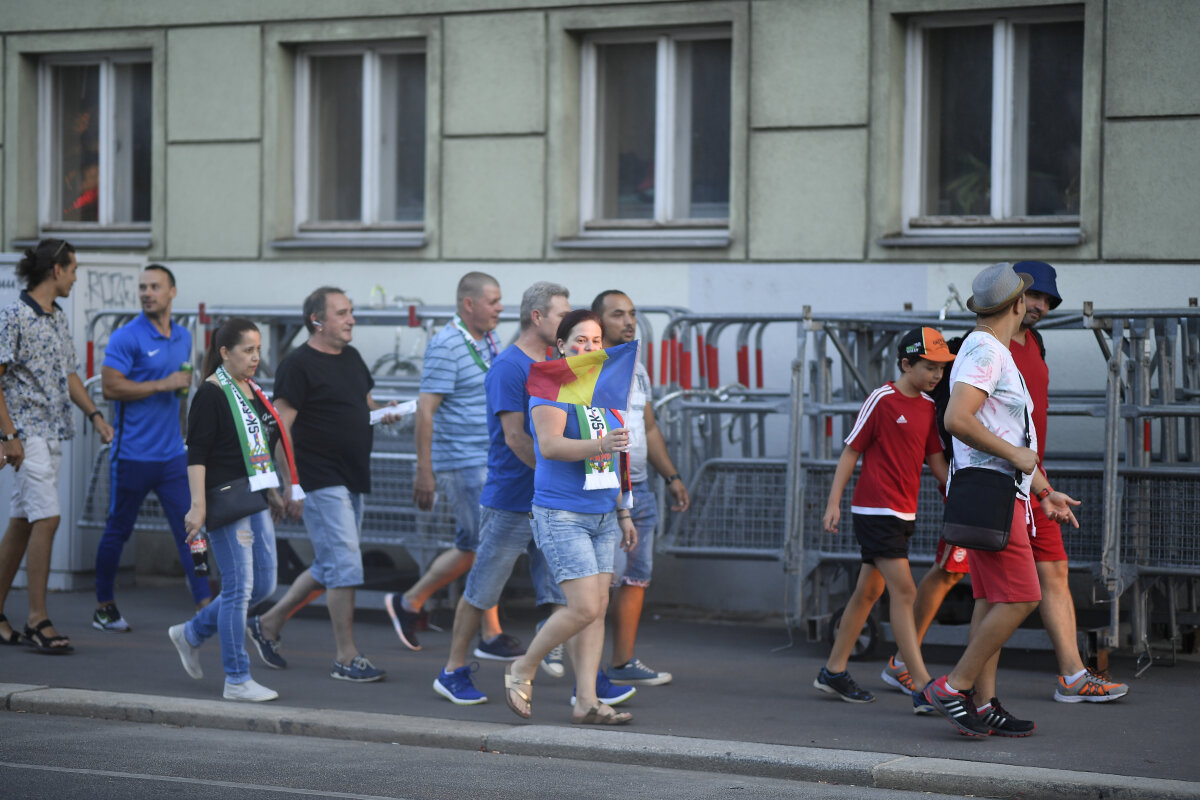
(988, 415)
(1076, 684)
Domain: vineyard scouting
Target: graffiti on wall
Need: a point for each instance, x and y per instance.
(111, 288)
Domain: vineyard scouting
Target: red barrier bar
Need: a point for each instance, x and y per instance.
(1146, 436)
(828, 427)
(91, 358)
(674, 360)
(714, 367)
(202, 315)
(665, 366)
(759, 367)
(685, 367)
(743, 365)
(413, 322)
(701, 364)
(650, 362)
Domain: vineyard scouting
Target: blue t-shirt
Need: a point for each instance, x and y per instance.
(509, 484)
(147, 429)
(460, 431)
(559, 484)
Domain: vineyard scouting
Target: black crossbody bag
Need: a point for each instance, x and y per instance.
(980, 503)
(232, 501)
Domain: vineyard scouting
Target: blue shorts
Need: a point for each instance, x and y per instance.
(463, 488)
(333, 517)
(633, 568)
(503, 537)
(576, 545)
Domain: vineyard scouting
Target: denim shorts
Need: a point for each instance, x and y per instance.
(503, 537)
(463, 488)
(633, 568)
(576, 545)
(333, 517)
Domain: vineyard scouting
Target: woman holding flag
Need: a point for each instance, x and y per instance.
(231, 429)
(579, 509)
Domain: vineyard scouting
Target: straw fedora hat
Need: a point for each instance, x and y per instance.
(997, 287)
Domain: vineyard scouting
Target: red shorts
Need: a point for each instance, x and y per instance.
(1007, 576)
(951, 558)
(1047, 543)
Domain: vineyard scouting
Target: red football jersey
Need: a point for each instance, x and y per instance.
(895, 434)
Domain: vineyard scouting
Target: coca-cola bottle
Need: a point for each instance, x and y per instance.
(199, 547)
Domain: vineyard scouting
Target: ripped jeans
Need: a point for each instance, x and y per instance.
(245, 553)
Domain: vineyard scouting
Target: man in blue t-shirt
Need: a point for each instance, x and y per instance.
(504, 529)
(451, 432)
(142, 375)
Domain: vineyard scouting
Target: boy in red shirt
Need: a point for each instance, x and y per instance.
(896, 431)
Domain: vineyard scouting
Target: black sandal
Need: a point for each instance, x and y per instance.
(14, 637)
(47, 645)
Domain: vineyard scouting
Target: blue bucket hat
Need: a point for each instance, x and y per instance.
(1043, 280)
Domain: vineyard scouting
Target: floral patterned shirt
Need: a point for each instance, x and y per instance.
(36, 349)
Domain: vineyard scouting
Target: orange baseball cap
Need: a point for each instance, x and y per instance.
(924, 343)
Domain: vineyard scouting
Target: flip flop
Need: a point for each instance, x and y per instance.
(512, 685)
(594, 717)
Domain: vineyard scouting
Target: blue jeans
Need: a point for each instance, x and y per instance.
(130, 482)
(633, 568)
(245, 553)
(576, 545)
(463, 488)
(333, 519)
(503, 537)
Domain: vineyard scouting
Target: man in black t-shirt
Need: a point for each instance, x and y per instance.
(323, 394)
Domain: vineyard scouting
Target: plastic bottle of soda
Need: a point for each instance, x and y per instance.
(199, 547)
(184, 367)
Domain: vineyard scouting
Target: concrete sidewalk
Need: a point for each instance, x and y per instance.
(737, 705)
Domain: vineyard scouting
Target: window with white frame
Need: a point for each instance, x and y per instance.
(95, 158)
(993, 123)
(360, 138)
(655, 127)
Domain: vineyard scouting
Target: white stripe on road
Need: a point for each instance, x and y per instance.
(197, 781)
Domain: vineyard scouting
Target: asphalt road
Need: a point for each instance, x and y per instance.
(45, 757)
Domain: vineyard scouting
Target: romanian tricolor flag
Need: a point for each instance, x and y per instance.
(601, 378)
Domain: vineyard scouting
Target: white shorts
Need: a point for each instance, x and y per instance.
(35, 485)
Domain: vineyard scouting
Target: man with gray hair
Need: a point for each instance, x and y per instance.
(505, 532)
(451, 431)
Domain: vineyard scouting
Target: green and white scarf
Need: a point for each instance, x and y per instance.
(473, 348)
(599, 471)
(256, 452)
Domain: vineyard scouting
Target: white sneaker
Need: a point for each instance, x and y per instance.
(188, 655)
(250, 692)
(552, 664)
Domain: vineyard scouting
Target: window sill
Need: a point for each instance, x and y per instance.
(690, 240)
(88, 240)
(355, 241)
(1058, 238)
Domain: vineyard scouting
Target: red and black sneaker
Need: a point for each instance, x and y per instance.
(1003, 723)
(957, 707)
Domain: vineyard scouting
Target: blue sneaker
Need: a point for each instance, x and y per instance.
(842, 685)
(359, 670)
(404, 621)
(607, 693)
(501, 648)
(268, 649)
(635, 673)
(458, 688)
(921, 704)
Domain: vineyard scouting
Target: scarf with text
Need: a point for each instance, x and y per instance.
(600, 471)
(256, 452)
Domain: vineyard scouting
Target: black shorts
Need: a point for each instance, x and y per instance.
(882, 536)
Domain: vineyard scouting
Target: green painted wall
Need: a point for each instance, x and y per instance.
(213, 200)
(494, 194)
(495, 74)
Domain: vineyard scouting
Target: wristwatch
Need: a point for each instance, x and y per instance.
(8, 437)
(1044, 493)
(673, 478)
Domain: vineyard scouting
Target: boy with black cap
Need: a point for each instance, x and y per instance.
(896, 431)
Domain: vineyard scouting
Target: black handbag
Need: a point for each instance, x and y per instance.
(980, 504)
(232, 501)
(979, 508)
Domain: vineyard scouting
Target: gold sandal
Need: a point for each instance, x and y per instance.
(513, 684)
(594, 717)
